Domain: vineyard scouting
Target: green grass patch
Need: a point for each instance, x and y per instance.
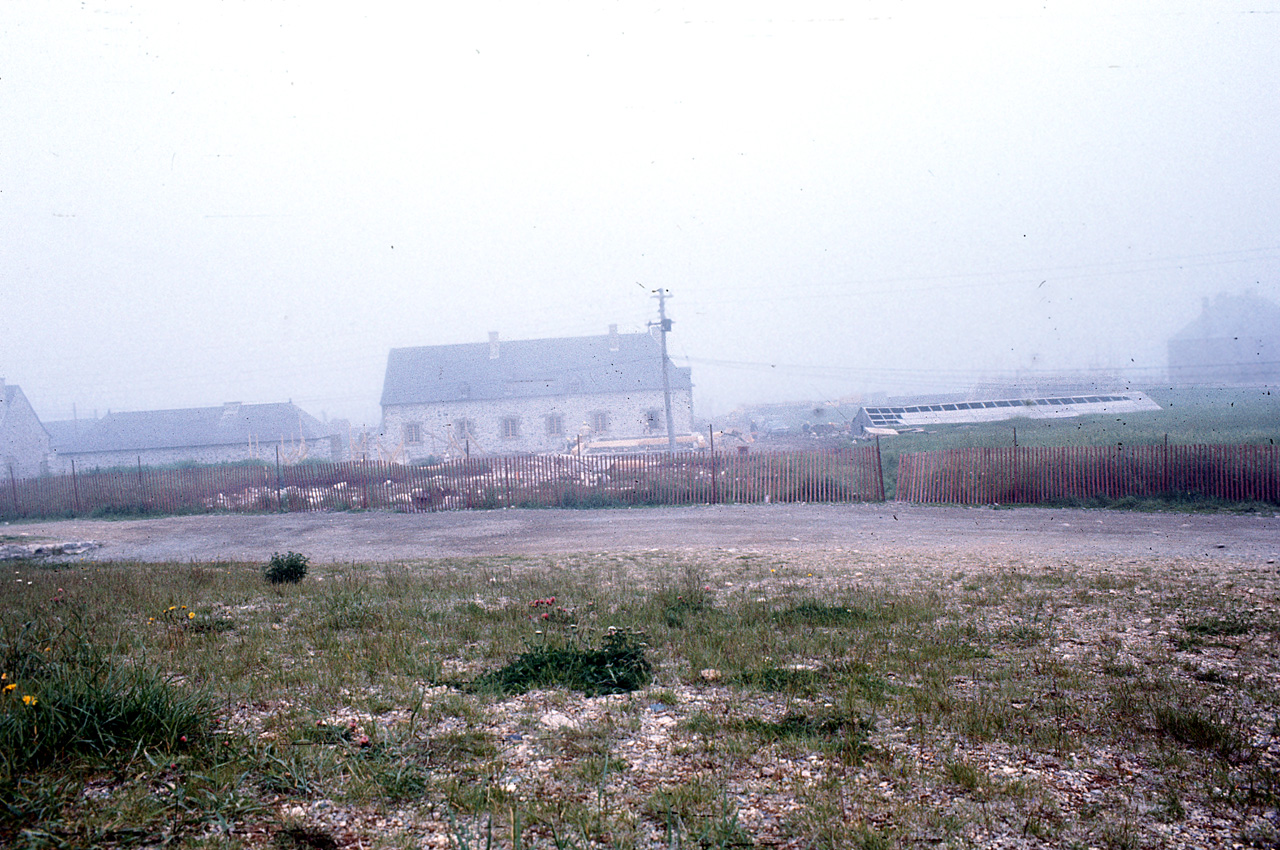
(1219, 625)
(71, 701)
(781, 679)
(618, 665)
(1190, 725)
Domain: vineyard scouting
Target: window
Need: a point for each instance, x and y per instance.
(555, 424)
(464, 429)
(600, 422)
(510, 427)
(412, 432)
(652, 420)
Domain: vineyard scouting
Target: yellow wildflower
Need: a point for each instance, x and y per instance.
(191, 615)
(10, 687)
(29, 699)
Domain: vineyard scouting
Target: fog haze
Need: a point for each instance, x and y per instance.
(205, 202)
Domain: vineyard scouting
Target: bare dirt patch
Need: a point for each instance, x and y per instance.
(387, 537)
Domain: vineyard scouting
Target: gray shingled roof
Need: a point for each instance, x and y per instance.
(527, 368)
(227, 425)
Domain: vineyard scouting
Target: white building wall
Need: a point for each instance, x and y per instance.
(24, 445)
(435, 424)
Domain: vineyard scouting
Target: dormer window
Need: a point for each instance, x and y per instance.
(464, 390)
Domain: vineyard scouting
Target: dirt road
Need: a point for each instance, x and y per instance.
(386, 537)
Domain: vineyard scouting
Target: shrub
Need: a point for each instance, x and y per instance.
(289, 568)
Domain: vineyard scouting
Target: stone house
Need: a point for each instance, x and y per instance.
(231, 433)
(24, 442)
(1234, 342)
(529, 396)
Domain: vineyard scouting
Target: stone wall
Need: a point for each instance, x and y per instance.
(432, 430)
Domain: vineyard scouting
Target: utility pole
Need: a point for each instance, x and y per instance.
(664, 324)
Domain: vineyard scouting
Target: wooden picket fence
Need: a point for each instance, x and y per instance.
(1030, 474)
(841, 475)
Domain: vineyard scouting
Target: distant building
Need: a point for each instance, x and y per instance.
(1234, 342)
(24, 442)
(230, 433)
(942, 410)
(537, 395)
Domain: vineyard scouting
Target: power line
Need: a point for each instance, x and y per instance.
(1023, 277)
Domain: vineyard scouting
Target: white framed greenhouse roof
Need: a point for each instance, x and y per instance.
(995, 410)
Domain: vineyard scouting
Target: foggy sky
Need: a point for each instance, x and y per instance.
(205, 202)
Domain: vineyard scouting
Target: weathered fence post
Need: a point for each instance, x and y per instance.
(75, 485)
(880, 470)
(711, 435)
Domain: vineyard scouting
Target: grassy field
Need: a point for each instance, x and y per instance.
(1188, 417)
(828, 701)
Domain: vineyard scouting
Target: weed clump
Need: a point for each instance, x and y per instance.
(289, 568)
(1215, 625)
(617, 666)
(79, 703)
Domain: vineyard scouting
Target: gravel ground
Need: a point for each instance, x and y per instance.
(888, 527)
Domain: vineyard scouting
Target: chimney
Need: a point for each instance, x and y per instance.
(230, 409)
(613, 337)
(493, 345)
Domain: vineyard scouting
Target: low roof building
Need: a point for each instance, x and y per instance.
(230, 433)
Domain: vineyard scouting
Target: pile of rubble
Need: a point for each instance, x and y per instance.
(10, 551)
